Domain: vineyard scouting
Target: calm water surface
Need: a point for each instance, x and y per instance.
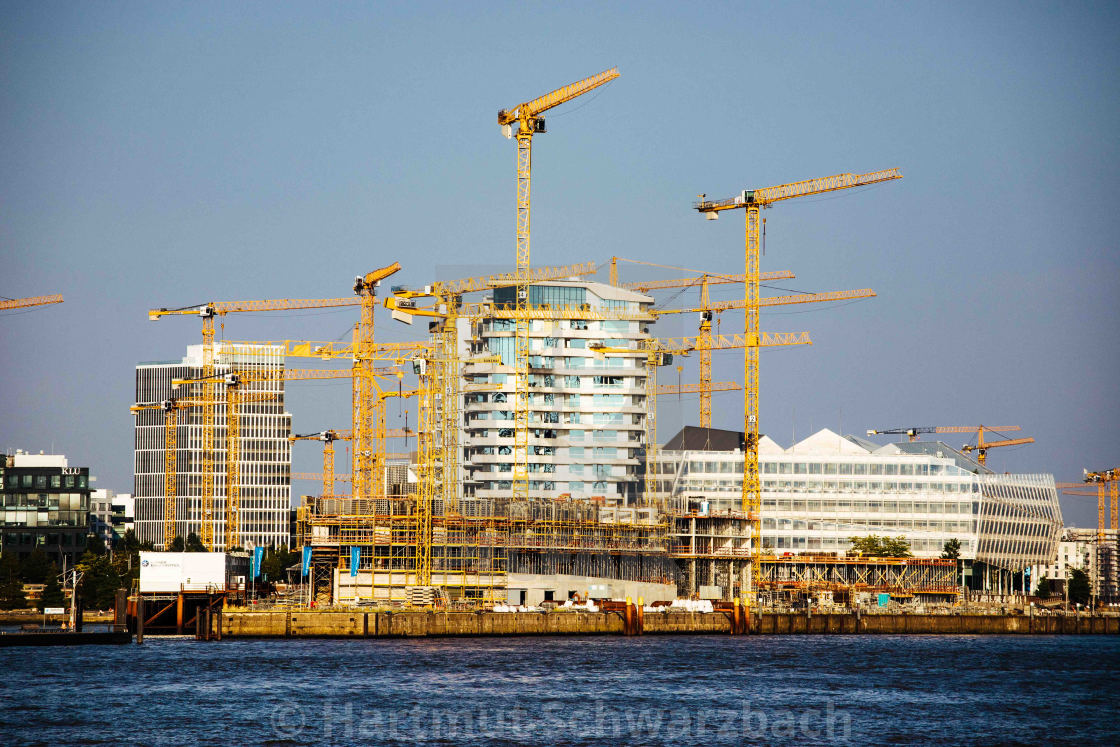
(651, 690)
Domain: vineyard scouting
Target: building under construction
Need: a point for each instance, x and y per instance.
(373, 551)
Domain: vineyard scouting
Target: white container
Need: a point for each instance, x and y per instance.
(182, 571)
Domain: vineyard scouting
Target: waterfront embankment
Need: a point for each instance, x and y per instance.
(417, 624)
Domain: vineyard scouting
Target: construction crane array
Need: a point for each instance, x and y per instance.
(207, 312)
(437, 364)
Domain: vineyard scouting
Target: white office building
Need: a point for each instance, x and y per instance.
(265, 453)
(587, 410)
(822, 491)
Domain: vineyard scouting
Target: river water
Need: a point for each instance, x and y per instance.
(595, 690)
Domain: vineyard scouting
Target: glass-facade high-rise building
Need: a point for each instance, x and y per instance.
(44, 504)
(265, 453)
(587, 410)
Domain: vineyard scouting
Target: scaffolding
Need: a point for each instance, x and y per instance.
(714, 550)
(788, 579)
(472, 553)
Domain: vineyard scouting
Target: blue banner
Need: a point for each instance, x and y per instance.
(355, 558)
(256, 560)
(306, 561)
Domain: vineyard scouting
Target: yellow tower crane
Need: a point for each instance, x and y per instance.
(1105, 480)
(1103, 485)
(171, 408)
(7, 304)
(327, 438)
(980, 447)
(364, 466)
(752, 201)
(527, 117)
(328, 477)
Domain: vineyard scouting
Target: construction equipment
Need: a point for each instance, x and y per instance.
(707, 309)
(171, 408)
(361, 350)
(980, 447)
(1102, 485)
(233, 381)
(448, 307)
(752, 201)
(718, 386)
(529, 122)
(645, 286)
(1105, 481)
(660, 352)
(364, 466)
(915, 433)
(7, 304)
(328, 438)
(208, 312)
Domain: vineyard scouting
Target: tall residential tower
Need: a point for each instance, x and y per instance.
(587, 411)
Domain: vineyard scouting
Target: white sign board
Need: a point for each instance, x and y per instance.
(54, 610)
(182, 571)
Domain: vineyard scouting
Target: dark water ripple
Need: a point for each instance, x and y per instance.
(655, 690)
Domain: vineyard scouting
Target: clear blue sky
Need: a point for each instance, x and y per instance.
(160, 154)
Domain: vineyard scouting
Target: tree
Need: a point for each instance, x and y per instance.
(177, 544)
(882, 547)
(272, 566)
(52, 590)
(194, 543)
(1043, 589)
(11, 587)
(35, 567)
(100, 581)
(130, 541)
(95, 544)
(952, 550)
(1079, 587)
(896, 547)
